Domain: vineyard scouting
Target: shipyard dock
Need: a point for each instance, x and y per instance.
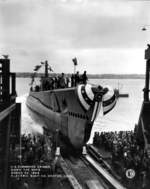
(35, 161)
(32, 161)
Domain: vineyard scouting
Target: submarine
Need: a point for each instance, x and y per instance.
(70, 110)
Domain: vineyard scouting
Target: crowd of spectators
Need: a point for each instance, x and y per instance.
(36, 149)
(126, 154)
(77, 79)
(61, 81)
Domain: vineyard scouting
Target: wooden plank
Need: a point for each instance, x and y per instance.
(105, 174)
(7, 111)
(94, 184)
(73, 181)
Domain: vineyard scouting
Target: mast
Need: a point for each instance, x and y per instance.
(46, 68)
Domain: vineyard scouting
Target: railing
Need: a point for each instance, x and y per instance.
(7, 111)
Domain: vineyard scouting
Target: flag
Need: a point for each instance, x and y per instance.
(50, 69)
(37, 67)
(75, 61)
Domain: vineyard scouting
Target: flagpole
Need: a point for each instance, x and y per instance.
(75, 64)
(74, 69)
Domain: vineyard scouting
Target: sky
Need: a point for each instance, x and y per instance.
(104, 35)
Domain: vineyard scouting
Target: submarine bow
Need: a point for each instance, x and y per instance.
(101, 97)
(72, 111)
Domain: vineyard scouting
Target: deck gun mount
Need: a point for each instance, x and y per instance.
(143, 127)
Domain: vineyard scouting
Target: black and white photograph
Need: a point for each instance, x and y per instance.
(74, 94)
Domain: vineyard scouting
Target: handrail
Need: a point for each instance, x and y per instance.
(7, 111)
(143, 131)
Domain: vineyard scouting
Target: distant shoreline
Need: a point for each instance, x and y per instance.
(90, 76)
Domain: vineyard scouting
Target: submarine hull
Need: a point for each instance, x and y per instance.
(71, 111)
(61, 110)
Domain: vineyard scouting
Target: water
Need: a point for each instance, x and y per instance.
(123, 117)
(28, 125)
(126, 112)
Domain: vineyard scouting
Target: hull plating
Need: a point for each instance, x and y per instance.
(61, 109)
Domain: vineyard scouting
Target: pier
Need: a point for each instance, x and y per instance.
(31, 154)
(114, 160)
(143, 126)
(10, 119)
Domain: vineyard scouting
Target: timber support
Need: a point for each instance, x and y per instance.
(10, 119)
(143, 127)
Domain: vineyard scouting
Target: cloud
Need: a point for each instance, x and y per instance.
(68, 25)
(103, 60)
(32, 30)
(103, 8)
(95, 61)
